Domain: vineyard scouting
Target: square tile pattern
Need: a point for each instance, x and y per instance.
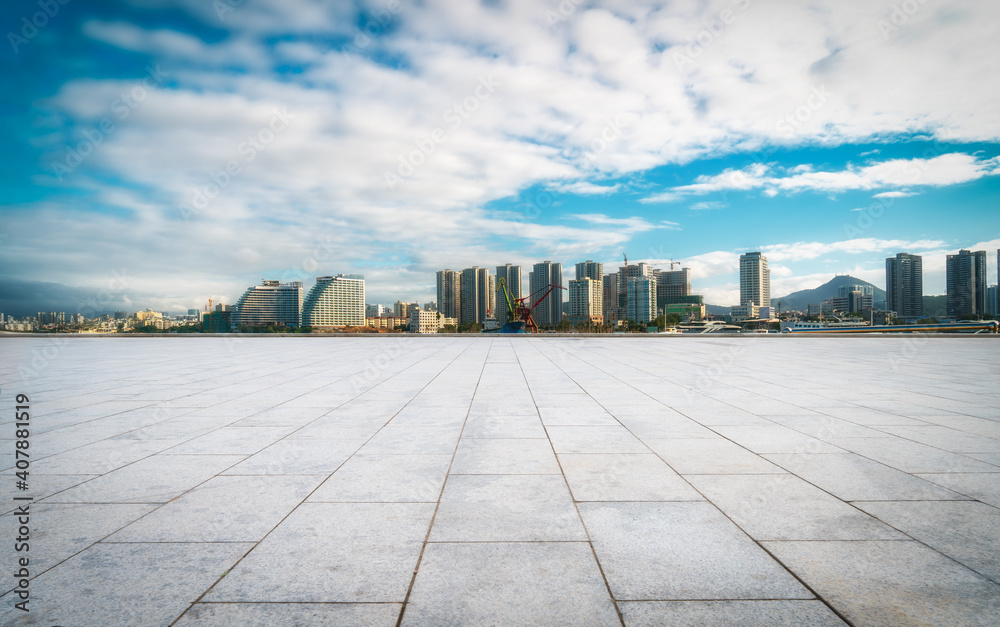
(480, 480)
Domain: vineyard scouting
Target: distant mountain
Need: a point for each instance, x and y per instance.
(831, 289)
(803, 298)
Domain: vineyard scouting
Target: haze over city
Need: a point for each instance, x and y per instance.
(195, 148)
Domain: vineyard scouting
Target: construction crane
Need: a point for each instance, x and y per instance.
(519, 310)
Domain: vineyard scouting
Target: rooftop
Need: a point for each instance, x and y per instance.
(494, 480)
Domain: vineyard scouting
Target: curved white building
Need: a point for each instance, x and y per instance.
(271, 303)
(335, 301)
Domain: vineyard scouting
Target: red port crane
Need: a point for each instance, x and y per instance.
(519, 310)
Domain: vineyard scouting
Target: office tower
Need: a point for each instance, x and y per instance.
(270, 303)
(640, 298)
(591, 269)
(335, 301)
(904, 285)
(610, 308)
(632, 271)
(449, 293)
(966, 282)
(512, 276)
(586, 298)
(549, 312)
(401, 309)
(671, 284)
(475, 297)
(755, 280)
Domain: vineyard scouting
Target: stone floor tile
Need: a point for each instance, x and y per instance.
(598, 439)
(506, 508)
(125, 584)
(729, 613)
(966, 531)
(298, 614)
(232, 441)
(623, 477)
(784, 507)
(677, 551)
(299, 456)
(910, 457)
(223, 509)
(480, 456)
(58, 531)
(892, 583)
(533, 583)
(715, 456)
(386, 479)
(854, 478)
(775, 439)
(333, 552)
(155, 479)
(981, 486)
(393, 440)
(496, 425)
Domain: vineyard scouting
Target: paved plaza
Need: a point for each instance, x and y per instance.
(765, 480)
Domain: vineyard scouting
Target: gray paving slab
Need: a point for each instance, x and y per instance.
(498, 425)
(775, 439)
(407, 440)
(710, 456)
(729, 613)
(232, 441)
(506, 508)
(534, 583)
(597, 439)
(981, 486)
(855, 478)
(947, 438)
(892, 583)
(282, 416)
(155, 479)
(333, 552)
(623, 477)
(125, 584)
(59, 531)
(784, 507)
(98, 458)
(223, 509)
(386, 479)
(494, 456)
(299, 456)
(571, 414)
(911, 457)
(297, 614)
(677, 551)
(966, 531)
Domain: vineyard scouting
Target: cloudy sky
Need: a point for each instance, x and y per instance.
(159, 153)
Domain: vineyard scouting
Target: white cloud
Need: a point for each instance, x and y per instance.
(585, 188)
(941, 170)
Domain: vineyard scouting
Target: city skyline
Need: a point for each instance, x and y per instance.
(163, 156)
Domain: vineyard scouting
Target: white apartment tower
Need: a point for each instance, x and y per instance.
(335, 301)
(755, 280)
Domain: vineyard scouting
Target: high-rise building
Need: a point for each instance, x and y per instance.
(512, 276)
(673, 284)
(449, 293)
(271, 303)
(993, 300)
(586, 298)
(475, 295)
(610, 308)
(640, 299)
(904, 285)
(755, 280)
(544, 274)
(335, 301)
(590, 269)
(641, 269)
(965, 275)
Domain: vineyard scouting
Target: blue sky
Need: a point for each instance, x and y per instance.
(164, 153)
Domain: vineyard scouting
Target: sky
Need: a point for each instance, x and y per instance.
(161, 153)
